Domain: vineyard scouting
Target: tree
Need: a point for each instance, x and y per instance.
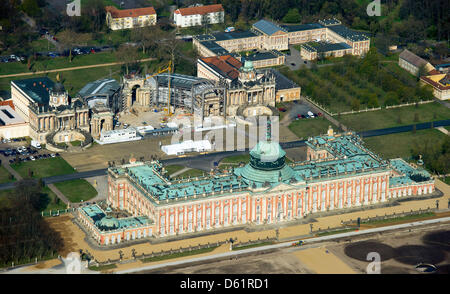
(127, 55)
(70, 38)
(355, 104)
(31, 8)
(292, 16)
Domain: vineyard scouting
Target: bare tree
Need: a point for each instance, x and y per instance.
(126, 54)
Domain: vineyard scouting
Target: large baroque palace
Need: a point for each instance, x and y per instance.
(339, 173)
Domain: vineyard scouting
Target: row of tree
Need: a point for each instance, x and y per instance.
(24, 234)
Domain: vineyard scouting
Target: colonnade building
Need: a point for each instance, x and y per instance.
(269, 36)
(339, 173)
(48, 109)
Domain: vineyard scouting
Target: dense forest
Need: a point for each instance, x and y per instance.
(24, 235)
(406, 19)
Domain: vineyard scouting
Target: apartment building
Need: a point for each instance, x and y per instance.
(199, 15)
(117, 19)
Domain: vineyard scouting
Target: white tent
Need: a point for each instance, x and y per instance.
(187, 146)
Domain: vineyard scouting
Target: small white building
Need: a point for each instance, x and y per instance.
(187, 146)
(199, 15)
(12, 125)
(118, 136)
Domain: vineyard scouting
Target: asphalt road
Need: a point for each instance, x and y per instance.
(206, 161)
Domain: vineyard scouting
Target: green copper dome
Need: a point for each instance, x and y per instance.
(108, 223)
(248, 65)
(267, 164)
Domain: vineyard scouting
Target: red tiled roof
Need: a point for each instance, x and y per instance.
(226, 64)
(200, 9)
(116, 13)
(7, 102)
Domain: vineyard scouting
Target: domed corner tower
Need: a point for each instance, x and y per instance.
(267, 163)
(58, 95)
(247, 72)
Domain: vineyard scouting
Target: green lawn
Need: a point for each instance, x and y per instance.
(102, 267)
(387, 118)
(59, 62)
(53, 204)
(399, 145)
(76, 79)
(193, 172)
(305, 128)
(236, 159)
(179, 254)
(399, 219)
(43, 168)
(335, 232)
(252, 245)
(173, 168)
(77, 190)
(5, 176)
(47, 197)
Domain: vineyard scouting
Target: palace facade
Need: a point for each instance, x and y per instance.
(47, 109)
(339, 173)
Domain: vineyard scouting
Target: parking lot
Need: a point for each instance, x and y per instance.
(300, 110)
(21, 153)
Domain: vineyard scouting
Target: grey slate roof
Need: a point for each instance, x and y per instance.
(36, 88)
(100, 87)
(302, 27)
(325, 47)
(267, 27)
(348, 33)
(412, 58)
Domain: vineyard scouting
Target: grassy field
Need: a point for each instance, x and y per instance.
(335, 232)
(102, 267)
(399, 219)
(252, 246)
(43, 168)
(77, 190)
(387, 118)
(76, 79)
(179, 254)
(58, 62)
(173, 168)
(399, 145)
(236, 159)
(47, 197)
(5, 176)
(53, 204)
(193, 172)
(304, 128)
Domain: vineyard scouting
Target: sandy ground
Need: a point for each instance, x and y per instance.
(98, 156)
(44, 265)
(73, 239)
(322, 261)
(278, 262)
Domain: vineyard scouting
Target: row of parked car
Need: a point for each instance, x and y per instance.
(13, 140)
(309, 115)
(34, 157)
